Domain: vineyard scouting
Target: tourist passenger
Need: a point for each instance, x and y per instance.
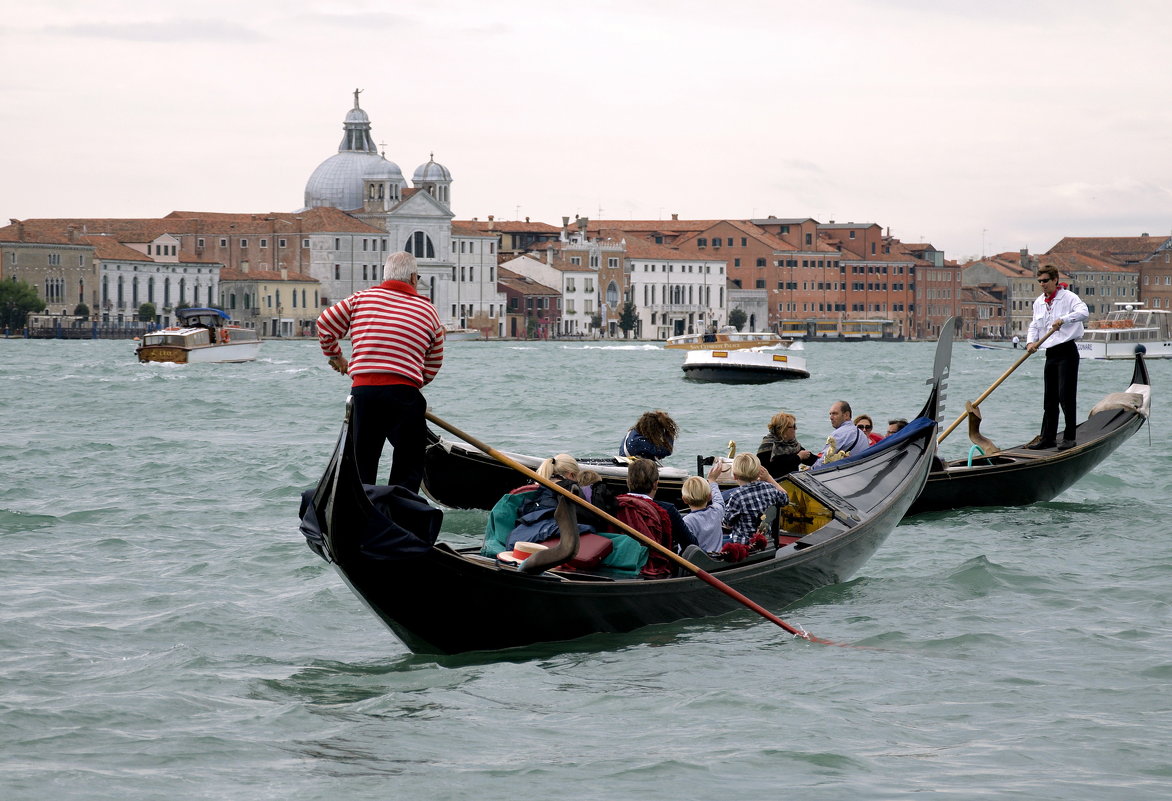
(652, 437)
(396, 348)
(1059, 310)
(638, 509)
(779, 451)
(846, 437)
(896, 425)
(706, 513)
(757, 491)
(864, 423)
(535, 517)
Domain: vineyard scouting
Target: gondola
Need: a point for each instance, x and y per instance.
(1019, 476)
(442, 600)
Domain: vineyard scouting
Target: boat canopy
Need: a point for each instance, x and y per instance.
(208, 317)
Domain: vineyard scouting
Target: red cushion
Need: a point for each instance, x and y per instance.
(592, 549)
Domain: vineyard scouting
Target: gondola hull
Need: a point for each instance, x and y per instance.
(444, 601)
(1019, 476)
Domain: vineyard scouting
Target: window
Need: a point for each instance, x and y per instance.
(223, 243)
(420, 246)
(243, 244)
(264, 243)
(612, 263)
(761, 262)
(280, 243)
(305, 243)
(702, 242)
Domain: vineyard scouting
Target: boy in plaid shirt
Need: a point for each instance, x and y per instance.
(757, 492)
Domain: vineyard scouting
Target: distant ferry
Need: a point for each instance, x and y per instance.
(1128, 330)
(202, 335)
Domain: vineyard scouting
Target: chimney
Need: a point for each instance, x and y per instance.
(490, 218)
(675, 216)
(1024, 258)
(549, 255)
(284, 274)
(527, 220)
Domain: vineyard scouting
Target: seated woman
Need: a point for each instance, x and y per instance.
(535, 522)
(652, 437)
(864, 423)
(780, 452)
(707, 510)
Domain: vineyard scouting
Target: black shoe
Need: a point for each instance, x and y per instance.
(1066, 444)
(1041, 446)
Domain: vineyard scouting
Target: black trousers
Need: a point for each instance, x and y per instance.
(392, 414)
(1061, 376)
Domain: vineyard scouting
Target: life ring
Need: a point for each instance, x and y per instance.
(224, 336)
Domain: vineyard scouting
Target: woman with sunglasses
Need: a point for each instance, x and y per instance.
(1061, 311)
(863, 423)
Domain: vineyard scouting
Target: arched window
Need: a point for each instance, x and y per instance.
(419, 245)
(612, 294)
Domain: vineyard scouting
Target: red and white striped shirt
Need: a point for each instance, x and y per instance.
(395, 335)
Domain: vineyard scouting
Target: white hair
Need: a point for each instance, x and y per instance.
(399, 266)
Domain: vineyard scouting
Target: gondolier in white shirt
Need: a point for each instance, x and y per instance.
(396, 348)
(1059, 310)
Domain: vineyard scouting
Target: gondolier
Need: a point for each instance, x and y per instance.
(1059, 310)
(397, 347)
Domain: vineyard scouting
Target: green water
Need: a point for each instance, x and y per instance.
(165, 633)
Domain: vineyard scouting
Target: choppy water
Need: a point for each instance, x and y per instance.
(165, 634)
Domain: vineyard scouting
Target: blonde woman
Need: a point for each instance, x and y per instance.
(779, 451)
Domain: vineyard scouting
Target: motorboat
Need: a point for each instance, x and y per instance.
(1127, 330)
(201, 335)
(746, 366)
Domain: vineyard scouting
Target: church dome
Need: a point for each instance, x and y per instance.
(337, 181)
(384, 170)
(430, 172)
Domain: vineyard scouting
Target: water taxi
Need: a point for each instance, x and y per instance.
(202, 335)
(1127, 330)
(746, 366)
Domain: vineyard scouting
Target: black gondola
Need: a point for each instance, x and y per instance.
(1018, 476)
(440, 600)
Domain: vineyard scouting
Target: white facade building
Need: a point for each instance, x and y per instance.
(674, 294)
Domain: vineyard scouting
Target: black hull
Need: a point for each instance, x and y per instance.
(1019, 477)
(730, 374)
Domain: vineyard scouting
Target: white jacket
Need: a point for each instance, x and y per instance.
(1067, 306)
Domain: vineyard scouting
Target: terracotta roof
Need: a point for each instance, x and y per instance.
(1067, 261)
(1137, 247)
(523, 285)
(107, 247)
(511, 226)
(469, 229)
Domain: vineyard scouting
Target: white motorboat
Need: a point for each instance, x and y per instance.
(461, 334)
(202, 335)
(746, 366)
(1126, 331)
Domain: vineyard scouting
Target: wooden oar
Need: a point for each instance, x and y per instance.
(989, 391)
(621, 526)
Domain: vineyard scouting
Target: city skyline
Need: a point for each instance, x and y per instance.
(979, 129)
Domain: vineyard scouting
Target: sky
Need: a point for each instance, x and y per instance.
(980, 127)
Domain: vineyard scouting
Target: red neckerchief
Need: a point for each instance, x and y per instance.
(1050, 298)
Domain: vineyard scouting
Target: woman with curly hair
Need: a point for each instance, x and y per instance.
(653, 436)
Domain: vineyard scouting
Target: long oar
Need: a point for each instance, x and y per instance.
(643, 538)
(989, 391)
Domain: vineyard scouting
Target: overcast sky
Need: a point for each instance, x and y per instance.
(977, 126)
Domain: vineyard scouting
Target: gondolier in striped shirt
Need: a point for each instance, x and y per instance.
(396, 348)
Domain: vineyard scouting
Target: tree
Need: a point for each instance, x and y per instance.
(146, 312)
(18, 299)
(81, 310)
(628, 320)
(737, 318)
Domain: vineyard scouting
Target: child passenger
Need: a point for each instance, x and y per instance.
(707, 510)
(744, 506)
